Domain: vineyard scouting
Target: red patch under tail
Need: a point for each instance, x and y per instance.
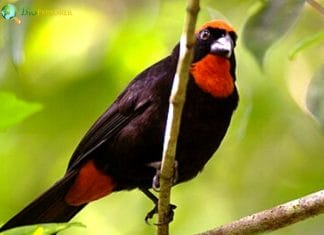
(89, 185)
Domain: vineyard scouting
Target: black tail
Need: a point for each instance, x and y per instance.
(50, 207)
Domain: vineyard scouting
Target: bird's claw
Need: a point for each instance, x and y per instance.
(150, 215)
(169, 217)
(156, 181)
(156, 178)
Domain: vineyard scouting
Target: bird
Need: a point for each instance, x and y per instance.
(123, 148)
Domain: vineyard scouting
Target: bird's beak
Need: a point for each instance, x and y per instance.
(223, 46)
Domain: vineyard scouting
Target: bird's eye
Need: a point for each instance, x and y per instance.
(204, 35)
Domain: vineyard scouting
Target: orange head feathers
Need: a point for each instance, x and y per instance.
(220, 24)
(213, 67)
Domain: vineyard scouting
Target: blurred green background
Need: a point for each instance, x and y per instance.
(59, 73)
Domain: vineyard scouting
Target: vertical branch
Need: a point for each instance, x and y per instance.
(177, 99)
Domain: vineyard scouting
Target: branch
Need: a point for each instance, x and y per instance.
(177, 99)
(274, 218)
(317, 6)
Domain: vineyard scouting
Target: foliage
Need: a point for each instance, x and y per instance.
(270, 22)
(15, 110)
(315, 96)
(42, 229)
(74, 66)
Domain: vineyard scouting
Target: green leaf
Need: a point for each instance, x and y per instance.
(315, 96)
(312, 40)
(14, 110)
(41, 229)
(270, 22)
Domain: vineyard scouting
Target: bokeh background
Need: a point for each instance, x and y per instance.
(59, 73)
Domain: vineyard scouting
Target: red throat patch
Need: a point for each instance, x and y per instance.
(212, 75)
(89, 185)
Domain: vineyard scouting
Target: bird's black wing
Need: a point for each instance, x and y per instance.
(130, 103)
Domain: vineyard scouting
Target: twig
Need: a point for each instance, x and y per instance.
(177, 99)
(275, 218)
(317, 6)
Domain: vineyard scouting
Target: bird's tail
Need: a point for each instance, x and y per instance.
(50, 207)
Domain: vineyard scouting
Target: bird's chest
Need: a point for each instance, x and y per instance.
(201, 132)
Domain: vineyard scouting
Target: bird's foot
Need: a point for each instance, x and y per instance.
(156, 178)
(154, 211)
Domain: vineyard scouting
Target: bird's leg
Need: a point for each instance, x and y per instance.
(154, 211)
(155, 200)
(156, 178)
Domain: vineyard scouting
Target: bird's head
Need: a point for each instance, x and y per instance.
(215, 37)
